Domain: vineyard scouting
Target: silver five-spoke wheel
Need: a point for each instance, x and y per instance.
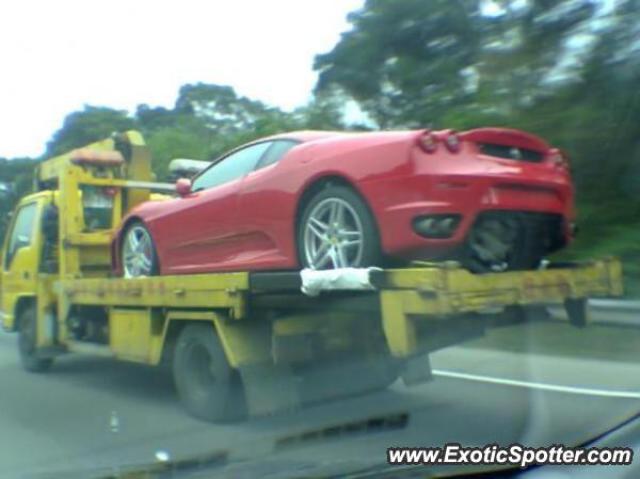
(333, 235)
(138, 256)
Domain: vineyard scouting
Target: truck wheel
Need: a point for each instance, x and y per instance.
(27, 334)
(337, 230)
(208, 386)
(347, 378)
(138, 253)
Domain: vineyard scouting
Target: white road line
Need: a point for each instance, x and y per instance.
(542, 386)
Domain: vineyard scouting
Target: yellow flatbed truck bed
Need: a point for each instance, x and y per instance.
(256, 342)
(267, 325)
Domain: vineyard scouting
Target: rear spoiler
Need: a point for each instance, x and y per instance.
(506, 137)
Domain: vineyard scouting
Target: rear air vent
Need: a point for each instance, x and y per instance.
(510, 152)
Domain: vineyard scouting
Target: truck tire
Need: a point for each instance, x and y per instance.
(348, 378)
(207, 385)
(27, 335)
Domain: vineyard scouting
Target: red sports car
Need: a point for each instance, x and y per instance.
(491, 198)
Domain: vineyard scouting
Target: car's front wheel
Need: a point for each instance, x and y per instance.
(138, 253)
(337, 230)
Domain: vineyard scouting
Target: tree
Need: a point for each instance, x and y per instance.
(87, 126)
(453, 63)
(403, 59)
(168, 143)
(16, 180)
(224, 112)
(323, 112)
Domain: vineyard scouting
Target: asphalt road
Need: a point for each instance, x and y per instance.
(540, 383)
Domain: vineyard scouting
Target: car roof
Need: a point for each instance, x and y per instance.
(306, 135)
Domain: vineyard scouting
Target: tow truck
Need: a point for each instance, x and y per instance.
(242, 342)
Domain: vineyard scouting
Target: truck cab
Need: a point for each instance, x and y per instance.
(70, 214)
(26, 256)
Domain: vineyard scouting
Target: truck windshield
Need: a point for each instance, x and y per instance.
(22, 232)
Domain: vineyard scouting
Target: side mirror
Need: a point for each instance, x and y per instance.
(183, 187)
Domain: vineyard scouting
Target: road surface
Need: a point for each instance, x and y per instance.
(537, 383)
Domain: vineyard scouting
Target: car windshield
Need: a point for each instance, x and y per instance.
(462, 270)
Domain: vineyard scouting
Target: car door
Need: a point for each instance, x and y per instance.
(20, 259)
(204, 228)
(265, 206)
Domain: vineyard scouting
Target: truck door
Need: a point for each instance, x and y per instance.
(20, 259)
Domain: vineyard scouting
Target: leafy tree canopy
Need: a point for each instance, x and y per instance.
(91, 124)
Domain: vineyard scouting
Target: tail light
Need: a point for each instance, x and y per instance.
(559, 159)
(428, 142)
(452, 142)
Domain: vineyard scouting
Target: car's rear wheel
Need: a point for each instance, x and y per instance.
(500, 243)
(337, 230)
(138, 253)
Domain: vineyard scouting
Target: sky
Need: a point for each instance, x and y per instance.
(57, 56)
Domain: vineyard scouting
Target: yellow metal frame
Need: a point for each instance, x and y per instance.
(77, 248)
(440, 291)
(227, 291)
(135, 335)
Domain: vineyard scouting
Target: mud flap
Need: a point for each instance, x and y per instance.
(269, 389)
(577, 311)
(517, 314)
(417, 371)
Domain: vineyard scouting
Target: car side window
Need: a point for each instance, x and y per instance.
(234, 166)
(22, 232)
(276, 151)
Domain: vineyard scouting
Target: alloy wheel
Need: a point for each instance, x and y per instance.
(333, 236)
(137, 253)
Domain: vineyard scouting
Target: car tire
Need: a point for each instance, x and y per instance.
(512, 235)
(27, 339)
(207, 385)
(356, 217)
(138, 230)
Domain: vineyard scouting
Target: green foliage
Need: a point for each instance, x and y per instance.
(86, 126)
(206, 121)
(16, 181)
(402, 60)
(324, 112)
(168, 143)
